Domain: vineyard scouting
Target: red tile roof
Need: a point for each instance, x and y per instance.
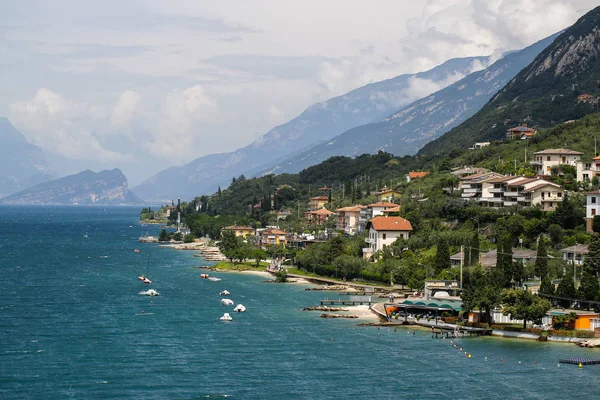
(382, 204)
(238, 228)
(381, 223)
(417, 174)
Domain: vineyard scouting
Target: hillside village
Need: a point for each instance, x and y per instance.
(501, 213)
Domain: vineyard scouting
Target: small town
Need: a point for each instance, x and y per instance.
(516, 253)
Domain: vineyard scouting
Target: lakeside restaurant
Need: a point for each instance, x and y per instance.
(417, 308)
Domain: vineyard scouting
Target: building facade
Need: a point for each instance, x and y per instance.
(383, 231)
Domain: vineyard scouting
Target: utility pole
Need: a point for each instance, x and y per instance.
(462, 260)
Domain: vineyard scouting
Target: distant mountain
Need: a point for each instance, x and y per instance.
(408, 130)
(87, 187)
(545, 93)
(318, 122)
(21, 163)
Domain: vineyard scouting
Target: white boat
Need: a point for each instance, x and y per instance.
(226, 317)
(239, 308)
(214, 279)
(150, 292)
(224, 293)
(227, 302)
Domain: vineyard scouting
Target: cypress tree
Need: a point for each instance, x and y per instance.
(546, 287)
(442, 256)
(474, 253)
(591, 263)
(541, 261)
(219, 191)
(589, 287)
(566, 288)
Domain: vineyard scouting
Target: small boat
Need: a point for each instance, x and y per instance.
(136, 251)
(204, 276)
(150, 292)
(239, 308)
(144, 279)
(224, 293)
(227, 302)
(214, 279)
(226, 317)
(85, 236)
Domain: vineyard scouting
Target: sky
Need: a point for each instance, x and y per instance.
(148, 84)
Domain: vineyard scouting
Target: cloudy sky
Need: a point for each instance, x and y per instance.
(148, 84)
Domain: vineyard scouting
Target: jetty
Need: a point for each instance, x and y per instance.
(579, 360)
(211, 254)
(352, 301)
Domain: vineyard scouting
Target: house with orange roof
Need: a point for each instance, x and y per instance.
(415, 175)
(272, 237)
(240, 230)
(318, 202)
(521, 132)
(318, 216)
(383, 231)
(388, 194)
(347, 219)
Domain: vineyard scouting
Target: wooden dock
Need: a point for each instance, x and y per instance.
(346, 302)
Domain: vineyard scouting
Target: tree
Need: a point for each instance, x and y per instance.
(522, 304)
(189, 238)
(258, 255)
(229, 244)
(566, 288)
(474, 253)
(546, 286)
(163, 236)
(556, 234)
(589, 287)
(442, 255)
(596, 224)
(219, 191)
(541, 260)
(591, 263)
(481, 293)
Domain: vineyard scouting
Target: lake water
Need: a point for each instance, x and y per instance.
(71, 326)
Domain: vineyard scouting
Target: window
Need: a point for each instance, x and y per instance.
(384, 236)
(547, 158)
(594, 200)
(548, 168)
(593, 211)
(559, 194)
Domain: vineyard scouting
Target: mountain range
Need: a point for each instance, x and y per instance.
(87, 187)
(405, 132)
(543, 94)
(22, 164)
(318, 122)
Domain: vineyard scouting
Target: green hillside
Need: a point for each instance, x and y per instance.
(543, 94)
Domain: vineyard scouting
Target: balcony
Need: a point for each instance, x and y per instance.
(371, 241)
(496, 190)
(510, 203)
(512, 194)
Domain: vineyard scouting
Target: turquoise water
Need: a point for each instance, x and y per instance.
(71, 326)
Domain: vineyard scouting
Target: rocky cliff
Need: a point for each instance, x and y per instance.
(87, 187)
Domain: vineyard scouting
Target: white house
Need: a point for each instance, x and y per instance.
(546, 159)
(575, 254)
(348, 219)
(383, 231)
(592, 208)
(587, 170)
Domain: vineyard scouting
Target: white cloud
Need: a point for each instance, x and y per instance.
(199, 76)
(124, 110)
(182, 114)
(58, 125)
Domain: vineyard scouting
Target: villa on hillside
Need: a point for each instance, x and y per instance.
(575, 254)
(586, 171)
(318, 202)
(495, 190)
(592, 208)
(415, 175)
(240, 230)
(348, 219)
(466, 171)
(272, 237)
(318, 216)
(521, 132)
(388, 194)
(383, 231)
(546, 159)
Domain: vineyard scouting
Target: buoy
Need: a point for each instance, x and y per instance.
(486, 359)
(142, 311)
(558, 365)
(501, 360)
(580, 365)
(332, 339)
(469, 356)
(519, 362)
(535, 362)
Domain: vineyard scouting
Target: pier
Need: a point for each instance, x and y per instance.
(579, 360)
(348, 302)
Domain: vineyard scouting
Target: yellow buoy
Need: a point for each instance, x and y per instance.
(580, 365)
(469, 356)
